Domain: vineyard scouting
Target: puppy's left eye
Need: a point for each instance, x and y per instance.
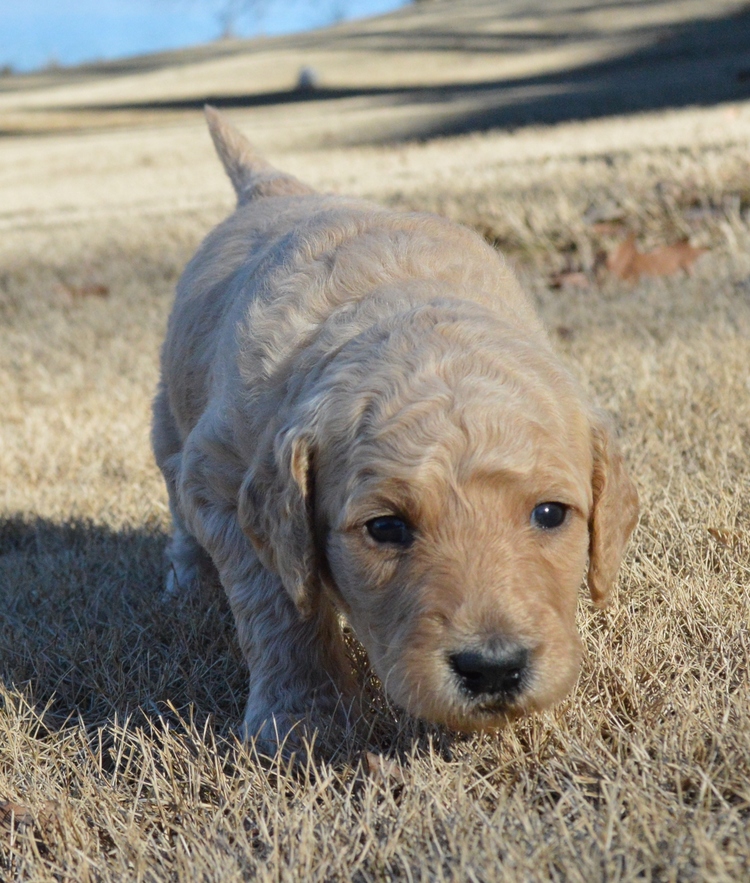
(390, 529)
(548, 516)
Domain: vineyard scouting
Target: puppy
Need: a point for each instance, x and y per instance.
(360, 416)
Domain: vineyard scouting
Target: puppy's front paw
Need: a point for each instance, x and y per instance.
(181, 579)
(278, 733)
(188, 566)
(291, 733)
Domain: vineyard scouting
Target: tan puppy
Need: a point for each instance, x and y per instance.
(360, 414)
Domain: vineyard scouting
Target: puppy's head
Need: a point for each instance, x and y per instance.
(447, 492)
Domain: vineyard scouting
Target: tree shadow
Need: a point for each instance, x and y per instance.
(85, 633)
(86, 636)
(693, 63)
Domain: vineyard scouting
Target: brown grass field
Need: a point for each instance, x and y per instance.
(117, 712)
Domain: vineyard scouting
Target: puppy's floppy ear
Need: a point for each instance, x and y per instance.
(276, 513)
(614, 515)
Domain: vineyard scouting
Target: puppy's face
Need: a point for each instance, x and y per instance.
(447, 494)
(456, 540)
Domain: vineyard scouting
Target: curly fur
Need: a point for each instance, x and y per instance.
(329, 361)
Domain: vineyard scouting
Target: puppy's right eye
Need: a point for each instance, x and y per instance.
(390, 529)
(548, 516)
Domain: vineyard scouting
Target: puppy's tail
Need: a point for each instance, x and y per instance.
(251, 176)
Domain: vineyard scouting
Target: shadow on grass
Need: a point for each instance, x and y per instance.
(700, 62)
(86, 636)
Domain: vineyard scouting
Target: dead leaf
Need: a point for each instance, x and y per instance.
(49, 818)
(14, 815)
(629, 264)
(383, 770)
(608, 228)
(92, 290)
(621, 260)
(569, 279)
(726, 537)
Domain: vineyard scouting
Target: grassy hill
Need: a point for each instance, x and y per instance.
(556, 129)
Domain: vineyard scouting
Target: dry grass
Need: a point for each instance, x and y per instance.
(116, 713)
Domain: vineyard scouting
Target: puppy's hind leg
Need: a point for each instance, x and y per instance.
(188, 562)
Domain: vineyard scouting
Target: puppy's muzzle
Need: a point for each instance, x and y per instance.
(496, 677)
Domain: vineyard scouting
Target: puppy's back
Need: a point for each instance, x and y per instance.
(288, 258)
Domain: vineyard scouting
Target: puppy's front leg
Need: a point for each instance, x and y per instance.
(300, 675)
(299, 669)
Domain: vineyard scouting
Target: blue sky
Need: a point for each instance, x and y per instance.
(34, 33)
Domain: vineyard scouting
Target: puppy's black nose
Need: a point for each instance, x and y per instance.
(498, 674)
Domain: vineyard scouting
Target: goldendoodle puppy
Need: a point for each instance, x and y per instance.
(360, 416)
